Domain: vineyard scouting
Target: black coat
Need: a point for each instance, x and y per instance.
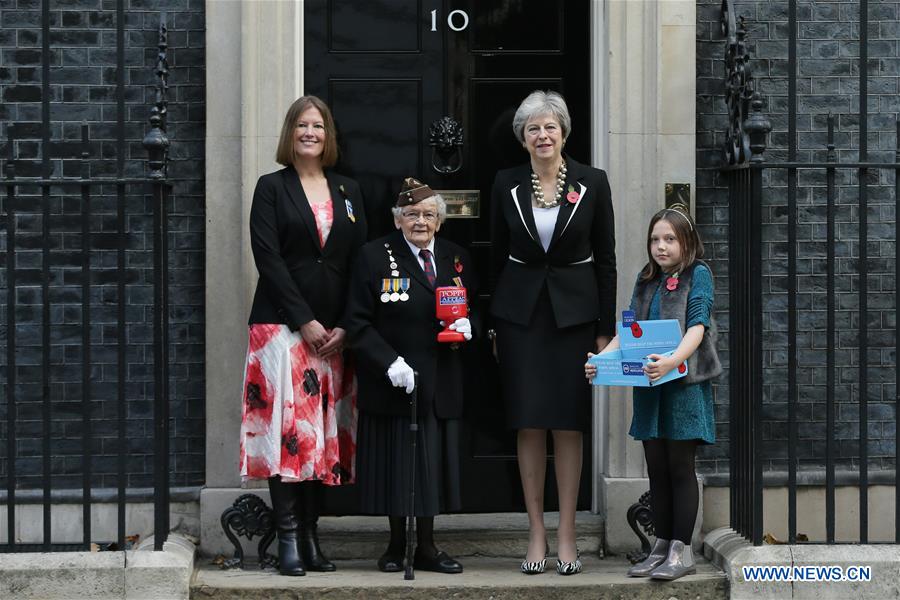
(299, 280)
(379, 331)
(580, 290)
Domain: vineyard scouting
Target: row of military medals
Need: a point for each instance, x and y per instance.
(393, 290)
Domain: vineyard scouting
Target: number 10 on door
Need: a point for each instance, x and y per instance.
(454, 18)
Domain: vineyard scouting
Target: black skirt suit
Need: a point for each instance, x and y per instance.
(549, 306)
(379, 332)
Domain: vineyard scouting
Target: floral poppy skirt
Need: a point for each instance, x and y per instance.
(298, 417)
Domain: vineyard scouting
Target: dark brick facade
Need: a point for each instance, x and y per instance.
(828, 81)
(83, 88)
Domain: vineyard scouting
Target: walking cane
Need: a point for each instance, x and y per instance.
(409, 574)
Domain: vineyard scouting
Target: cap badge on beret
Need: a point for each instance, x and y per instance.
(413, 191)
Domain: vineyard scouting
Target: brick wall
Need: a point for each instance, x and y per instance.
(828, 81)
(83, 88)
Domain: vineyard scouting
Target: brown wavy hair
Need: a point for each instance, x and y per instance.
(688, 238)
(284, 155)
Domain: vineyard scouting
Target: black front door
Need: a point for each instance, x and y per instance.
(389, 69)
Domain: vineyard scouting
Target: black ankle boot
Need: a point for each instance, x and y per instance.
(308, 540)
(284, 503)
(288, 558)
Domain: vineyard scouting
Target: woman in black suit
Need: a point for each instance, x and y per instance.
(555, 262)
(299, 409)
(393, 330)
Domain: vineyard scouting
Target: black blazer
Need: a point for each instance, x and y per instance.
(299, 280)
(379, 332)
(579, 268)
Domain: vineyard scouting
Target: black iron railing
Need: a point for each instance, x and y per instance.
(745, 173)
(156, 143)
(745, 281)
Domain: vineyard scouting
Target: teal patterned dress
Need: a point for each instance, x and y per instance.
(674, 410)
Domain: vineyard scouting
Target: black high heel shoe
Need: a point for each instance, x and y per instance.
(535, 567)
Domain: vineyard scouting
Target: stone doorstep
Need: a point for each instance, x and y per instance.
(132, 575)
(495, 578)
(494, 534)
(730, 552)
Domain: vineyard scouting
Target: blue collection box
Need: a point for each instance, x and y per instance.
(625, 366)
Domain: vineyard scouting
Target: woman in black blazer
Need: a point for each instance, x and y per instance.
(554, 259)
(299, 409)
(393, 329)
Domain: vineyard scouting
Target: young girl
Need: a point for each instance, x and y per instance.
(673, 418)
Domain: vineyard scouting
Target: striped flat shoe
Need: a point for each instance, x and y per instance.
(533, 568)
(569, 568)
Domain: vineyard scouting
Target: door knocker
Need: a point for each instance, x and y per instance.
(446, 139)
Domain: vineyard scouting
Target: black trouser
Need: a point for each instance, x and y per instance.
(674, 497)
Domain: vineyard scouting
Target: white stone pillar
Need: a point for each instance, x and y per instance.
(254, 71)
(644, 71)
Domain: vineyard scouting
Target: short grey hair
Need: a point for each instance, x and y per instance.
(441, 208)
(539, 103)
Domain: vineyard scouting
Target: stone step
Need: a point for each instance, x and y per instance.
(494, 578)
(495, 534)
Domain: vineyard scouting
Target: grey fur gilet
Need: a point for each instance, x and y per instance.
(704, 363)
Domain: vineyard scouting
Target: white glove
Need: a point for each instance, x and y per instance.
(462, 326)
(401, 375)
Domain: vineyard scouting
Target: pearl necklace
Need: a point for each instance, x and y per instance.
(539, 191)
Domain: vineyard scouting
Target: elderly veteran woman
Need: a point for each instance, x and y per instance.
(392, 326)
(555, 262)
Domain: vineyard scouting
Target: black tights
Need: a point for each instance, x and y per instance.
(673, 487)
(424, 536)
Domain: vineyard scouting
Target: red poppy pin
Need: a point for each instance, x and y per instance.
(672, 283)
(682, 368)
(572, 196)
(457, 265)
(636, 330)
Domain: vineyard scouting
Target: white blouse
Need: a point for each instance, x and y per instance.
(545, 219)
